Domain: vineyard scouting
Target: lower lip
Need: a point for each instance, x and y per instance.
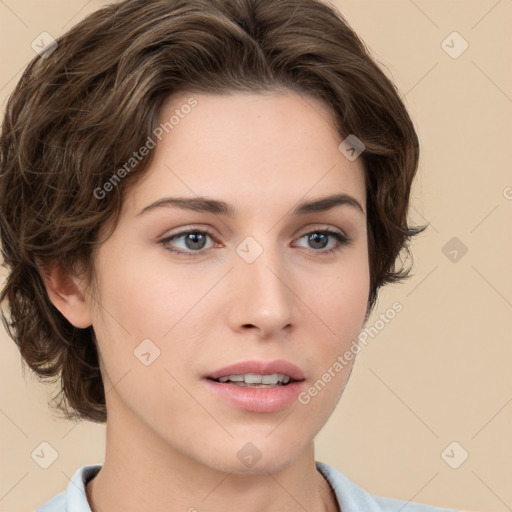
(257, 399)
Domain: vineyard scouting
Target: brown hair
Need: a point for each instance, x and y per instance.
(79, 112)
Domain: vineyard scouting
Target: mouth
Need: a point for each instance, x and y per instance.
(253, 380)
(254, 373)
(257, 386)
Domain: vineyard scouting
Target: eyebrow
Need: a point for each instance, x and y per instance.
(208, 205)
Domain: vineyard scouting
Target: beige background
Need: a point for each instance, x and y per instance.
(440, 370)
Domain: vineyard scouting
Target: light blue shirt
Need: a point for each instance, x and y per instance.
(351, 498)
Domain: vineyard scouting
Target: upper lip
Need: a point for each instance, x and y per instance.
(259, 368)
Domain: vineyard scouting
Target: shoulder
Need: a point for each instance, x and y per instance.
(73, 499)
(352, 498)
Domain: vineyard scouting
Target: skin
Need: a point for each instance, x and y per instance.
(171, 443)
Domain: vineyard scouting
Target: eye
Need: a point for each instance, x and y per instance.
(320, 238)
(195, 240)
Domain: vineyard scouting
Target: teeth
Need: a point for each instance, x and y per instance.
(251, 378)
(234, 378)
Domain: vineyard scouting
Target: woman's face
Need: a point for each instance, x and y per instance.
(261, 284)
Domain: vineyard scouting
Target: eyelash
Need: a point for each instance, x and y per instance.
(341, 239)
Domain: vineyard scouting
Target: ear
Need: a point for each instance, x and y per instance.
(66, 293)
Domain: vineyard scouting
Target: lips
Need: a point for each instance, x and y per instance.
(259, 368)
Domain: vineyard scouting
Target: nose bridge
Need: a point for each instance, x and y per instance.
(263, 295)
(261, 262)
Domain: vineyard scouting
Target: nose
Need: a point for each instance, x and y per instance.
(263, 297)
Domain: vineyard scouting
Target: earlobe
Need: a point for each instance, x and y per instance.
(65, 292)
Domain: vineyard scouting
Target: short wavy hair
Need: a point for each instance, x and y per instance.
(80, 111)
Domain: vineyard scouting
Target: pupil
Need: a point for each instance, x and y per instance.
(314, 238)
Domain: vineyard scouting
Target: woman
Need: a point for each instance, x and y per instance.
(199, 203)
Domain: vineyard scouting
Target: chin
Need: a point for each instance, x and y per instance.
(260, 456)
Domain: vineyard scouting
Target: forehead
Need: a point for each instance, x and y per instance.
(249, 149)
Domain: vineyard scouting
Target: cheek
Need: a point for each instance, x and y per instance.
(145, 299)
(341, 302)
(340, 307)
